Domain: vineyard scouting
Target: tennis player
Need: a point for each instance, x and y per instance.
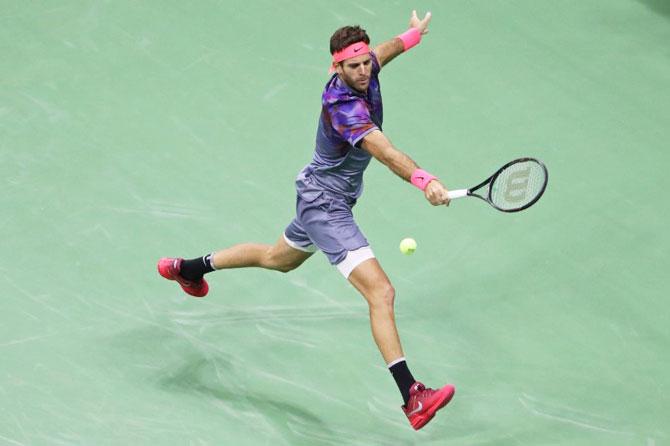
(349, 135)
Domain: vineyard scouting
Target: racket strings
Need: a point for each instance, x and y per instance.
(518, 185)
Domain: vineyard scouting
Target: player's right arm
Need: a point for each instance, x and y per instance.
(388, 50)
(379, 146)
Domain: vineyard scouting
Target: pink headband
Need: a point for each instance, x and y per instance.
(353, 50)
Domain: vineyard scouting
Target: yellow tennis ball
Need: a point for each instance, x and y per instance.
(408, 246)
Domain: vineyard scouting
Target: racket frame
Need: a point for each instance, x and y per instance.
(490, 180)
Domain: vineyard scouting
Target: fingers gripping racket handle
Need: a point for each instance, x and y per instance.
(458, 193)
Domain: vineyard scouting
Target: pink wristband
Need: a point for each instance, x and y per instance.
(420, 178)
(410, 38)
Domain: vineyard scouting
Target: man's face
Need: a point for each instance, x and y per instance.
(356, 72)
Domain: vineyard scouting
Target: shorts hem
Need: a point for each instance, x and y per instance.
(353, 259)
(309, 248)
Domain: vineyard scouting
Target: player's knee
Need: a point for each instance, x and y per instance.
(277, 262)
(383, 296)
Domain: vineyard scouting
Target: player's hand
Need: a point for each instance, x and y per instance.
(436, 193)
(422, 25)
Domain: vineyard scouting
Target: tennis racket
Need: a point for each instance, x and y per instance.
(514, 187)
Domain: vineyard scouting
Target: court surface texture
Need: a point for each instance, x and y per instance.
(131, 131)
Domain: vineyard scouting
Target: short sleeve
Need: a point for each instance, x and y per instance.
(351, 119)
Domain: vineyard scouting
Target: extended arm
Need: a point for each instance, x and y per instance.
(379, 146)
(388, 50)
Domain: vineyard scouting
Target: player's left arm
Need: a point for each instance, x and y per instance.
(388, 50)
(379, 146)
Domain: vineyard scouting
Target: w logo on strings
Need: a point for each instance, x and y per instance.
(517, 185)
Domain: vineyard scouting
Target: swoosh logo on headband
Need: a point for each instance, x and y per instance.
(358, 49)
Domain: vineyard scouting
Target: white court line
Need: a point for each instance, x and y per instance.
(571, 421)
(28, 339)
(9, 440)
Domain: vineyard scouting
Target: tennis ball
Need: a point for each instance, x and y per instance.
(408, 246)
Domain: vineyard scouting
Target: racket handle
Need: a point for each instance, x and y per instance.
(458, 193)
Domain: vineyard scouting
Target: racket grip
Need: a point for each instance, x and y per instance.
(458, 193)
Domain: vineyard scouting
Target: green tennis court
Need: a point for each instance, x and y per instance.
(131, 131)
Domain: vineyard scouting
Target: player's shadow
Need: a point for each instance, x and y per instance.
(210, 376)
(192, 378)
(660, 7)
(297, 425)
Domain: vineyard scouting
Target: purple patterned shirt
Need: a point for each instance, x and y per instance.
(346, 117)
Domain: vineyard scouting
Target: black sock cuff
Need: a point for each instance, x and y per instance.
(194, 269)
(403, 378)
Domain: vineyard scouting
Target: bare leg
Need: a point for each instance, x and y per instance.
(279, 257)
(371, 281)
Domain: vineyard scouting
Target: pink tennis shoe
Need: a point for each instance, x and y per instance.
(425, 402)
(170, 268)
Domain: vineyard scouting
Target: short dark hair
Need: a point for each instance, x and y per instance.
(345, 36)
